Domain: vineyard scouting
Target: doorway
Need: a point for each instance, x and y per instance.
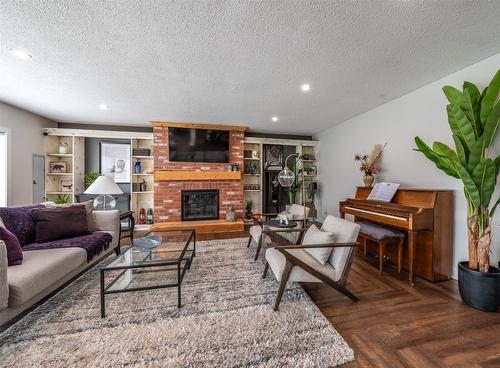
(38, 178)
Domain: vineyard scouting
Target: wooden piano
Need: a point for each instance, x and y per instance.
(427, 218)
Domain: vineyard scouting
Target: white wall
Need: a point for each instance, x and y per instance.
(25, 139)
(421, 112)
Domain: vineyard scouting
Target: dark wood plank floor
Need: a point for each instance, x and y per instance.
(396, 325)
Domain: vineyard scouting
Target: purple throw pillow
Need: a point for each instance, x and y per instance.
(60, 223)
(19, 222)
(14, 250)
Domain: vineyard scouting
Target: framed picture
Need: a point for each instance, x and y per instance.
(57, 167)
(313, 170)
(66, 186)
(115, 161)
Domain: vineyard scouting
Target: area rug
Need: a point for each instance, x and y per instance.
(226, 320)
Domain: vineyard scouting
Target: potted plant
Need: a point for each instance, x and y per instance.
(248, 209)
(89, 178)
(473, 118)
(62, 199)
(369, 164)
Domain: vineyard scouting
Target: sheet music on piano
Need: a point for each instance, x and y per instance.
(383, 191)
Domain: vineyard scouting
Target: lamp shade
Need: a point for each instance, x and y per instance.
(103, 185)
(286, 177)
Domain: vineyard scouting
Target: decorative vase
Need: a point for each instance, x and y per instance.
(248, 215)
(368, 179)
(137, 167)
(230, 215)
(63, 148)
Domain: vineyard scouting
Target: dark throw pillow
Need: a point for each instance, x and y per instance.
(14, 250)
(60, 223)
(18, 221)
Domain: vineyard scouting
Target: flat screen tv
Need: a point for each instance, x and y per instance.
(198, 145)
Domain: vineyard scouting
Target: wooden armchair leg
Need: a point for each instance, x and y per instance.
(259, 245)
(249, 242)
(284, 280)
(266, 268)
(364, 246)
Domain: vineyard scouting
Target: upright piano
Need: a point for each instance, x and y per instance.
(427, 218)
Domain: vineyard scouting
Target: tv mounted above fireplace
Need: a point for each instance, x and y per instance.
(198, 145)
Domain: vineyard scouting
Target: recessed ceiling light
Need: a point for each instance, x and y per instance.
(274, 118)
(103, 107)
(20, 54)
(305, 87)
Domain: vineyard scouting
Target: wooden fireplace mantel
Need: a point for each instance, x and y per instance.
(187, 175)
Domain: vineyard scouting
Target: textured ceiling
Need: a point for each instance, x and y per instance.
(234, 62)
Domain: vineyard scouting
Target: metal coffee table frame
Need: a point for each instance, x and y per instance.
(168, 262)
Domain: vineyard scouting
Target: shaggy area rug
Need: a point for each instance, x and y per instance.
(226, 321)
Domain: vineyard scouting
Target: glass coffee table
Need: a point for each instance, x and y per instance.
(157, 268)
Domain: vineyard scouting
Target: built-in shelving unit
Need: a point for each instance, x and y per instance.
(254, 148)
(74, 160)
(142, 198)
(64, 170)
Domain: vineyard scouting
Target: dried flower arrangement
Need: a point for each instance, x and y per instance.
(369, 163)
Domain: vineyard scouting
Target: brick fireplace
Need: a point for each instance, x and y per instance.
(170, 181)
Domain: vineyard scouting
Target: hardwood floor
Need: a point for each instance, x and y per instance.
(396, 325)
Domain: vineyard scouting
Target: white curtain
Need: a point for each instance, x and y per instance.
(3, 169)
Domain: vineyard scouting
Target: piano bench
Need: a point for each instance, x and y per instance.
(382, 236)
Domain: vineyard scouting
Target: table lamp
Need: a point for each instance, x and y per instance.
(104, 186)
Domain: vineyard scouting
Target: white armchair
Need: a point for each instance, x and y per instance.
(325, 255)
(295, 213)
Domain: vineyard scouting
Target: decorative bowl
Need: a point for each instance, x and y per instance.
(147, 242)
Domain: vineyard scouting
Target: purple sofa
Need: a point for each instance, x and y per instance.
(47, 266)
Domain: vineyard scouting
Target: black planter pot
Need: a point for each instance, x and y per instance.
(478, 289)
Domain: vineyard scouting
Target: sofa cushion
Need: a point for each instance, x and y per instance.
(60, 223)
(277, 263)
(89, 208)
(14, 250)
(4, 285)
(93, 244)
(316, 236)
(41, 269)
(343, 232)
(18, 221)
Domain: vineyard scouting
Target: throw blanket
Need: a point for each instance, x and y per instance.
(93, 244)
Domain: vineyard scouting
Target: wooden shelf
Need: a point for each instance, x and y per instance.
(188, 175)
(56, 193)
(60, 154)
(60, 174)
(201, 227)
(253, 190)
(251, 159)
(142, 174)
(145, 192)
(251, 174)
(309, 160)
(144, 157)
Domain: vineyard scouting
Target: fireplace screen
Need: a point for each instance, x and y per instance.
(200, 205)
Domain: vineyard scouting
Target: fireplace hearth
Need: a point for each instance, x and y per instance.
(199, 205)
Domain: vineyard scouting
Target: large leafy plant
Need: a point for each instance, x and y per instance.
(473, 118)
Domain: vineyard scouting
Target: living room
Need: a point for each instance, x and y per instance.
(213, 183)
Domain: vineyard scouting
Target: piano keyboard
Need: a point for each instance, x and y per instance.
(401, 218)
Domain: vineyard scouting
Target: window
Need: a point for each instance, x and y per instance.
(3, 169)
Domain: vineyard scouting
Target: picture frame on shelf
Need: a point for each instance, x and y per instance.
(115, 161)
(58, 167)
(313, 170)
(66, 186)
